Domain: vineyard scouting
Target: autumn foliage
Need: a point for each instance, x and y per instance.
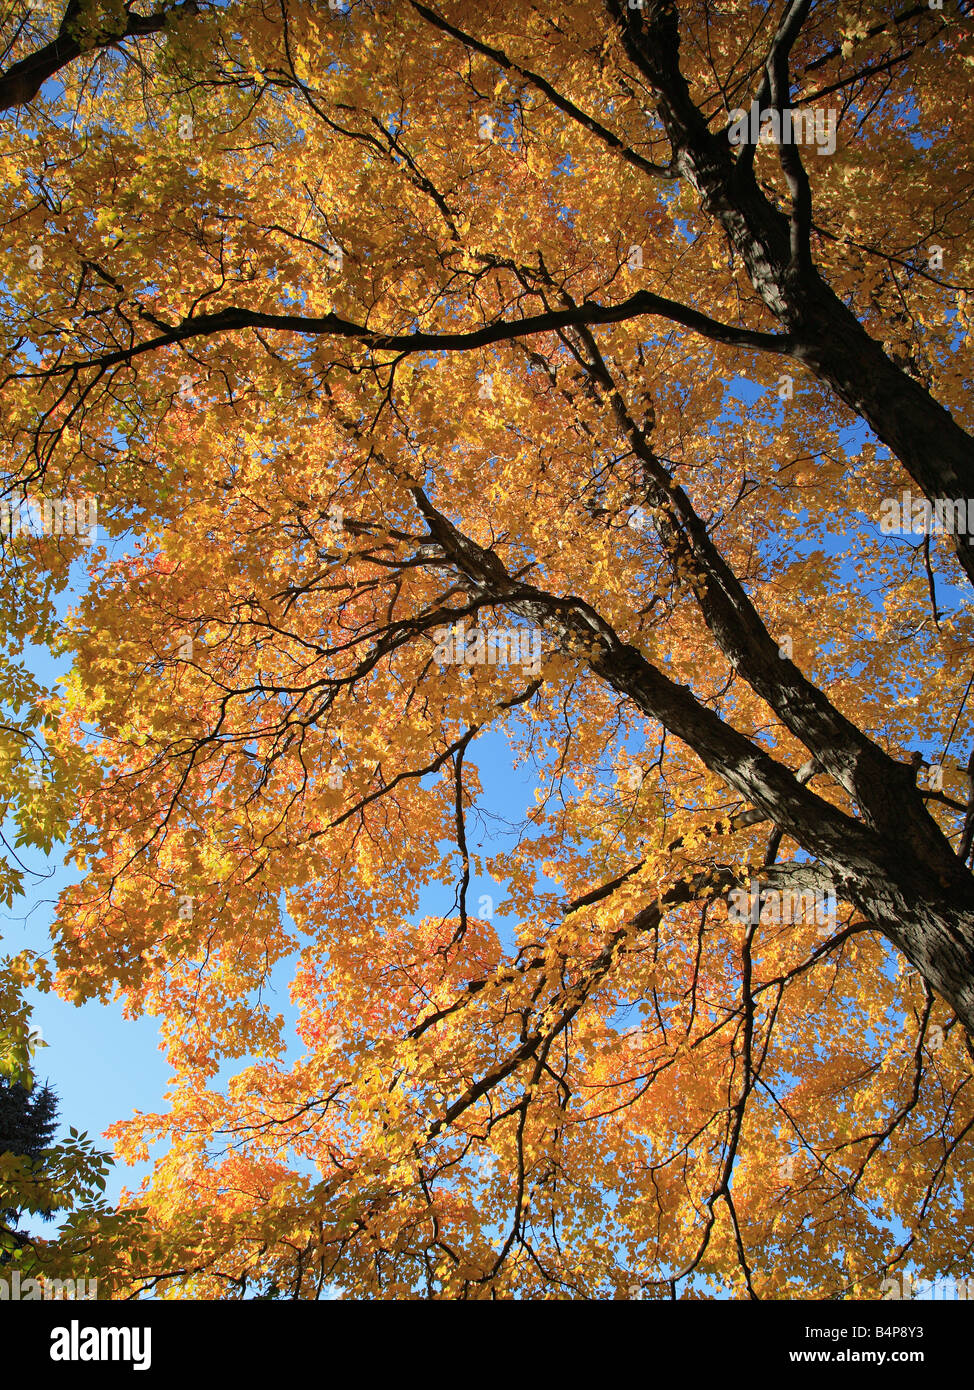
(363, 324)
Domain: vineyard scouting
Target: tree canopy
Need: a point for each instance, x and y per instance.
(455, 384)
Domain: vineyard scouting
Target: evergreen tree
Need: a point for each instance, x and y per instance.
(28, 1120)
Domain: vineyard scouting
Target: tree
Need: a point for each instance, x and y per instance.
(468, 376)
(65, 1179)
(28, 1121)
